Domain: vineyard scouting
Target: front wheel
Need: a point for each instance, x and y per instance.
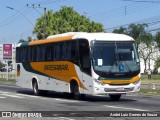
(115, 97)
(75, 91)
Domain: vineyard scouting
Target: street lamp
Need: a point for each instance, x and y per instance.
(25, 18)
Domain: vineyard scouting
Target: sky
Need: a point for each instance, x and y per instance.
(19, 23)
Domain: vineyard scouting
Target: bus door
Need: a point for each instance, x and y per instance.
(85, 65)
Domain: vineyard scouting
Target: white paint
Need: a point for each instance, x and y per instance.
(126, 108)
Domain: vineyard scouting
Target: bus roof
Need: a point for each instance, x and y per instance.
(80, 35)
(95, 36)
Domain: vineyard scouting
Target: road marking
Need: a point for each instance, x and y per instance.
(4, 92)
(63, 100)
(126, 108)
(65, 118)
(2, 97)
(14, 96)
(28, 95)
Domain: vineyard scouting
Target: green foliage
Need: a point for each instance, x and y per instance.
(2, 65)
(157, 63)
(121, 30)
(66, 20)
(157, 39)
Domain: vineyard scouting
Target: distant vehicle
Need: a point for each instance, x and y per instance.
(80, 63)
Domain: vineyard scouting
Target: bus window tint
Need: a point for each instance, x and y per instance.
(39, 50)
(24, 54)
(57, 51)
(62, 50)
(84, 56)
(18, 54)
(74, 51)
(68, 50)
(34, 53)
(49, 52)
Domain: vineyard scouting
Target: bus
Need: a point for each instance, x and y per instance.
(79, 64)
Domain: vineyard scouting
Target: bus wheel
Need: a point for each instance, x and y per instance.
(35, 88)
(75, 91)
(115, 97)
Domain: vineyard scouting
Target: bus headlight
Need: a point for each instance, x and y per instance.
(135, 83)
(99, 82)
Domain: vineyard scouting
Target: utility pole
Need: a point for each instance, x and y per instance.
(44, 22)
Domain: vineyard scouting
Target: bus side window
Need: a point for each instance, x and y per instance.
(62, 51)
(18, 54)
(24, 54)
(84, 56)
(43, 48)
(57, 51)
(68, 50)
(49, 51)
(34, 53)
(74, 52)
(39, 51)
(29, 53)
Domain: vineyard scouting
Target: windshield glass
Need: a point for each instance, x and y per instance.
(114, 58)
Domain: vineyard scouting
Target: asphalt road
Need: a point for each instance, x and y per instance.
(14, 98)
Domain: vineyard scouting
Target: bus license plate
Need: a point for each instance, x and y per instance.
(120, 89)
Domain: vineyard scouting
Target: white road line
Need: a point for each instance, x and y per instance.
(14, 96)
(27, 95)
(4, 92)
(63, 100)
(65, 118)
(126, 108)
(2, 97)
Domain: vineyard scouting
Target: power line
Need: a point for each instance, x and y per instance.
(24, 17)
(44, 23)
(147, 1)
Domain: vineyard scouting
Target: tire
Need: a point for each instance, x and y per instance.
(115, 97)
(35, 88)
(75, 91)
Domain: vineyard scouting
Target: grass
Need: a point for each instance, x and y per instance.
(149, 92)
(154, 77)
(8, 82)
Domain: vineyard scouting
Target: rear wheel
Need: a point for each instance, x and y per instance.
(35, 88)
(115, 97)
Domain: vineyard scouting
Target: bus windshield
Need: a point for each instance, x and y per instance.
(115, 58)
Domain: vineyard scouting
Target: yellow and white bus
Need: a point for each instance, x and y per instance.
(80, 63)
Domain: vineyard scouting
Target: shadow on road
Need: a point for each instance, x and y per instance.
(87, 98)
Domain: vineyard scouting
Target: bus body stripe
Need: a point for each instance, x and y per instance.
(50, 40)
(123, 81)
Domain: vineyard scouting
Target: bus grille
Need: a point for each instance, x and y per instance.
(118, 89)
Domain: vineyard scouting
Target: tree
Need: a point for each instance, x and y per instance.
(147, 53)
(65, 20)
(157, 63)
(137, 31)
(121, 30)
(157, 39)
